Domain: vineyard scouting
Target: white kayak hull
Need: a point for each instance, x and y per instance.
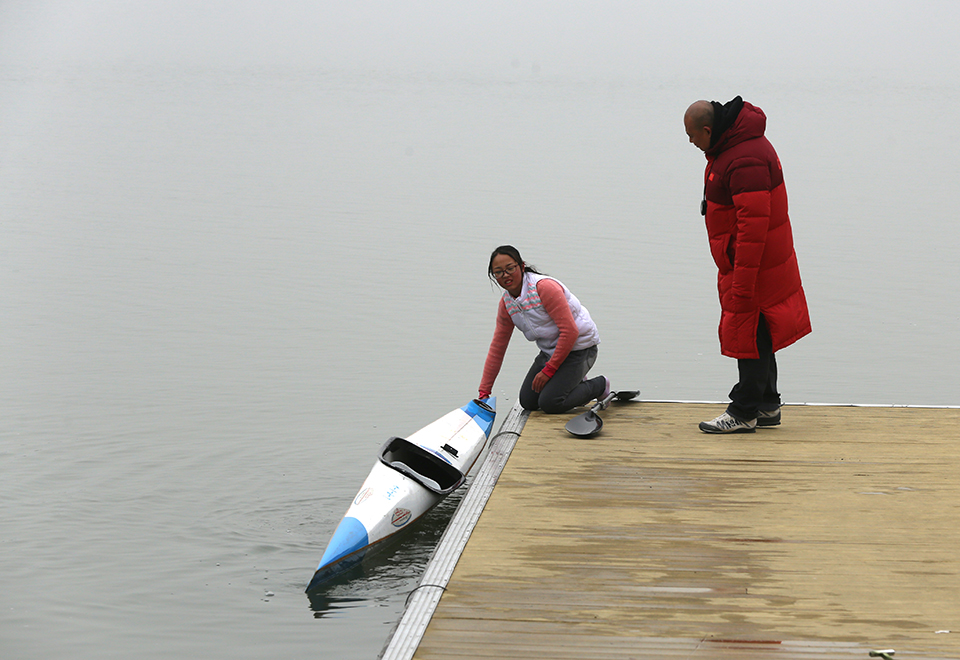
(410, 477)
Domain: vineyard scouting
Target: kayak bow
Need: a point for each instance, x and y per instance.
(410, 477)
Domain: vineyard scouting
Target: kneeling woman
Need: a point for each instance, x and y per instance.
(548, 314)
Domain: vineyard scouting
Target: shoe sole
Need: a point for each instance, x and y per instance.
(769, 421)
(710, 429)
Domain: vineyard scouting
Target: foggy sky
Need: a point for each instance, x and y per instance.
(912, 40)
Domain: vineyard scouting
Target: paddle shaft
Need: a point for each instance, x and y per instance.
(602, 405)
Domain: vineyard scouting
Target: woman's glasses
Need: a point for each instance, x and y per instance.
(509, 270)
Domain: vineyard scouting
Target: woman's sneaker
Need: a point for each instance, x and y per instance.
(606, 389)
(768, 417)
(727, 423)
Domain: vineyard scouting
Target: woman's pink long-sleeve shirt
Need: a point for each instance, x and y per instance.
(555, 302)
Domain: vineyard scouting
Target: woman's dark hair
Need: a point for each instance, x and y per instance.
(514, 254)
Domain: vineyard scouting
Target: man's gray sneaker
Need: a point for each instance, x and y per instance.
(768, 417)
(727, 423)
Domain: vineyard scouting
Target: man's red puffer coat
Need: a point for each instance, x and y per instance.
(751, 239)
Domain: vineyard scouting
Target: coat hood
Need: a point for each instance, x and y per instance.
(735, 122)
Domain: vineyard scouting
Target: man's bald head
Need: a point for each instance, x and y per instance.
(698, 122)
(700, 114)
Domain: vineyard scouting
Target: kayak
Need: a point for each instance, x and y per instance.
(410, 477)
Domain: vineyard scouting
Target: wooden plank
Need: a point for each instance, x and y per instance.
(833, 534)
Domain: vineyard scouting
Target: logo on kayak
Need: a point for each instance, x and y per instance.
(400, 517)
(363, 496)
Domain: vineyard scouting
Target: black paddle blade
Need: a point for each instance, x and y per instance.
(626, 395)
(586, 425)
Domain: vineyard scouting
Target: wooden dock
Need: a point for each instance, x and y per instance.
(830, 536)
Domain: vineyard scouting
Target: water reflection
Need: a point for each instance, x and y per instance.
(330, 606)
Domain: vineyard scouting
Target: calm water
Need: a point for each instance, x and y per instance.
(223, 289)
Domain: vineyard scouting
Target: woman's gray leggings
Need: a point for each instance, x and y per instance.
(567, 389)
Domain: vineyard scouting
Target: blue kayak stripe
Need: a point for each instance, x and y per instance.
(350, 536)
(483, 417)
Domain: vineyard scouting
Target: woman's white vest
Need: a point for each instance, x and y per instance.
(530, 316)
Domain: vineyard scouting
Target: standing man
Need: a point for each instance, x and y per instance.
(763, 307)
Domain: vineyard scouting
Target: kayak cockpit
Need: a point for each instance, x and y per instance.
(427, 469)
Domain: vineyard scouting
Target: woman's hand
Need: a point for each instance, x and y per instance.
(540, 381)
